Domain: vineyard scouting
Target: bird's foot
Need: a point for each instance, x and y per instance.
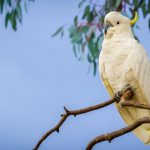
(128, 92)
(117, 96)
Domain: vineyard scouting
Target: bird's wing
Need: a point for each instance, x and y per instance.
(108, 86)
(105, 79)
(140, 65)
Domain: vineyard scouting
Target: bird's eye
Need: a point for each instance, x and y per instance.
(117, 22)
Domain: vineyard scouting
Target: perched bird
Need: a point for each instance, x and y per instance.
(124, 64)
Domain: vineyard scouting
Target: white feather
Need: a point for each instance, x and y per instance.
(123, 61)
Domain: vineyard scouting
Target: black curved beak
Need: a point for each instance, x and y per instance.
(106, 26)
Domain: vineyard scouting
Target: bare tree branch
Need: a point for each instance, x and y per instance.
(110, 136)
(135, 104)
(105, 137)
(74, 113)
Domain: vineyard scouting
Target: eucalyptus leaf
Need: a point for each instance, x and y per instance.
(13, 19)
(144, 9)
(57, 31)
(136, 3)
(81, 3)
(84, 36)
(95, 68)
(9, 2)
(1, 5)
(25, 6)
(149, 6)
(90, 17)
(19, 12)
(118, 3)
(7, 18)
(149, 23)
(86, 11)
(74, 50)
(89, 58)
(76, 20)
(62, 34)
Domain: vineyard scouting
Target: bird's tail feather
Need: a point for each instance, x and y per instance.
(143, 134)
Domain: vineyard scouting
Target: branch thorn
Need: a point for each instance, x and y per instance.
(66, 110)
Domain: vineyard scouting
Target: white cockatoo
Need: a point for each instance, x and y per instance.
(123, 63)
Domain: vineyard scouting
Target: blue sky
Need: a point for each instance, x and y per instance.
(39, 75)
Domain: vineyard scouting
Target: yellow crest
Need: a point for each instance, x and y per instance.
(133, 21)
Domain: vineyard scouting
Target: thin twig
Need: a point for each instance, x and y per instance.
(135, 104)
(105, 137)
(74, 113)
(110, 136)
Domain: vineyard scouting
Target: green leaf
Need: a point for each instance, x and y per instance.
(83, 29)
(83, 46)
(149, 6)
(9, 2)
(91, 47)
(74, 50)
(76, 39)
(81, 3)
(72, 30)
(144, 9)
(86, 11)
(75, 35)
(7, 18)
(62, 34)
(1, 5)
(149, 24)
(101, 38)
(94, 68)
(76, 20)
(57, 31)
(97, 43)
(118, 3)
(13, 20)
(90, 17)
(136, 3)
(19, 12)
(25, 6)
(89, 58)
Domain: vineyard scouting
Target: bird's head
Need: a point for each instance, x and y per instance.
(117, 24)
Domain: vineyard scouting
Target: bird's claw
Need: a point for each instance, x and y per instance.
(126, 88)
(128, 91)
(117, 96)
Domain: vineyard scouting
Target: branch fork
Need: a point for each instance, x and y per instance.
(105, 137)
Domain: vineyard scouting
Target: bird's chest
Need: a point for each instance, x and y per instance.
(115, 68)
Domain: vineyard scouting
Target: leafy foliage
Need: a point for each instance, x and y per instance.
(86, 32)
(13, 11)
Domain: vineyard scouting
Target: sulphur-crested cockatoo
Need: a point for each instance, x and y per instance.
(124, 63)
